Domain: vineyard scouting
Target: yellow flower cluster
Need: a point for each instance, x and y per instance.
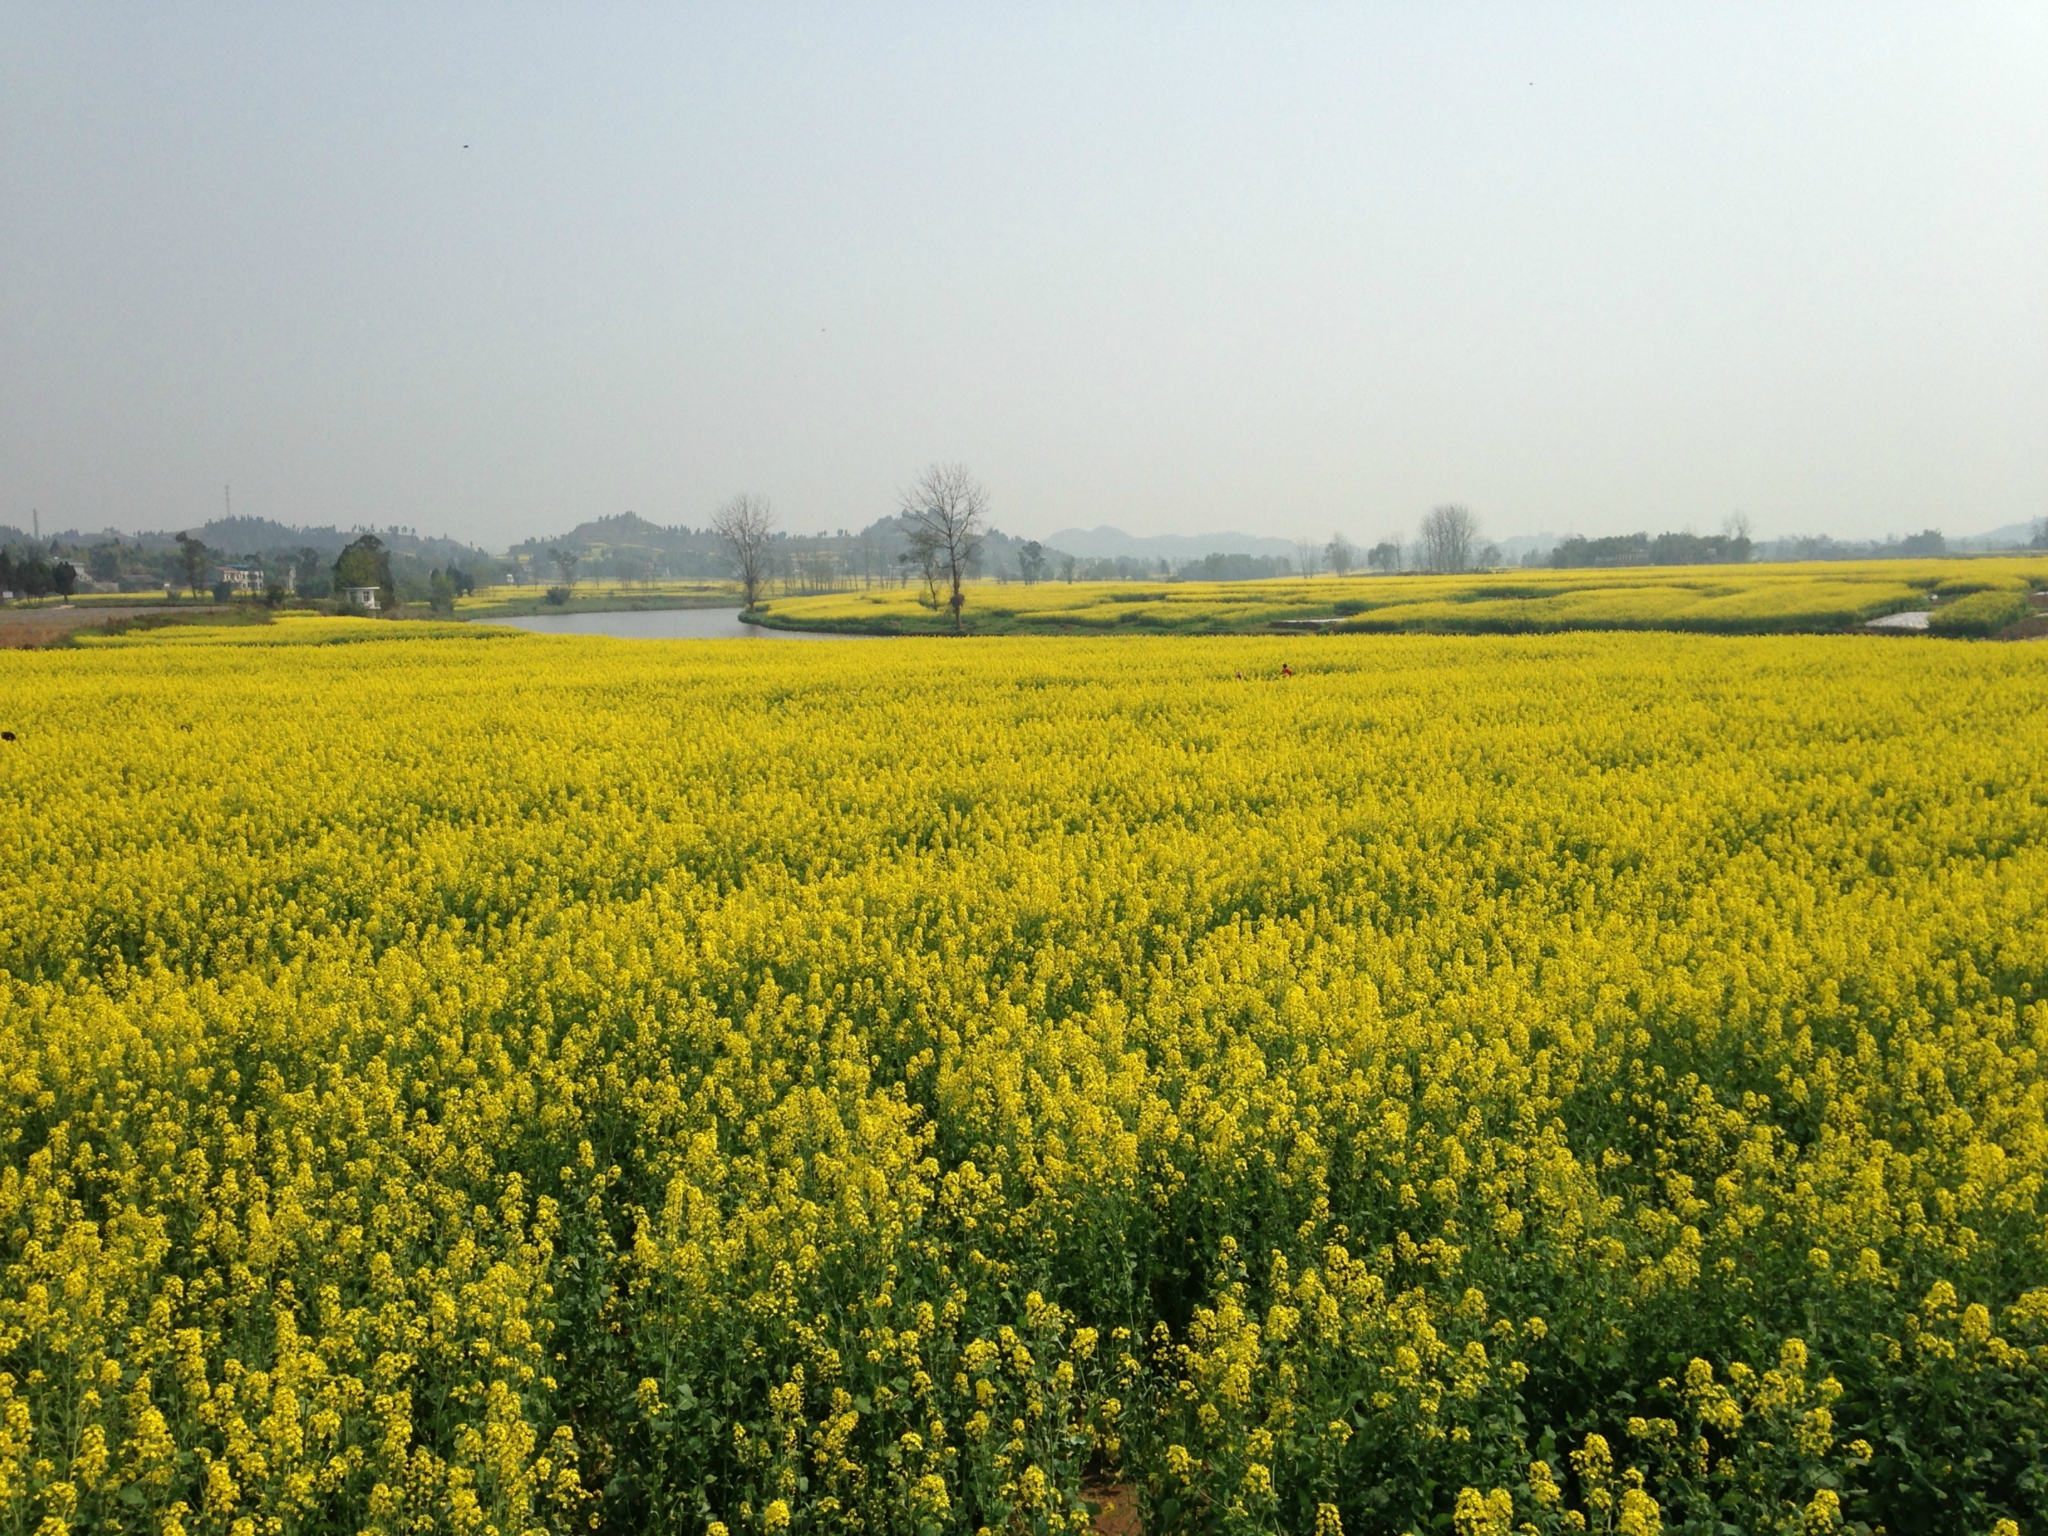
(1715, 599)
(509, 1085)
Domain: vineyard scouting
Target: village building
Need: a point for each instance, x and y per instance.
(251, 580)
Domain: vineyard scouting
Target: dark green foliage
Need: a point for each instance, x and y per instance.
(193, 557)
(1641, 549)
(366, 563)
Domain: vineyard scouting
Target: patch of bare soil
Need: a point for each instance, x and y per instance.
(24, 628)
(1116, 1509)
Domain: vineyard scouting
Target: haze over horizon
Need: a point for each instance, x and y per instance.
(492, 273)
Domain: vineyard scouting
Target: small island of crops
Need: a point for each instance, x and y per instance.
(1715, 599)
(466, 1081)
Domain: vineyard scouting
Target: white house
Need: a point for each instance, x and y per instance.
(364, 598)
(252, 580)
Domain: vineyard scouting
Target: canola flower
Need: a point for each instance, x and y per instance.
(476, 1083)
(1711, 599)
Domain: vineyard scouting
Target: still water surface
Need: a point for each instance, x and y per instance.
(663, 624)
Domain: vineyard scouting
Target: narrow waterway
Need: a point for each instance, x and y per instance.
(663, 624)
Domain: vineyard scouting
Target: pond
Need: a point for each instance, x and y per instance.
(662, 624)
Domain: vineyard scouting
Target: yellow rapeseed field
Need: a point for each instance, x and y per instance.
(474, 1082)
(1817, 596)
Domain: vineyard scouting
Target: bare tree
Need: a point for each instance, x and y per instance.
(1385, 556)
(921, 556)
(1308, 557)
(947, 512)
(1340, 554)
(565, 560)
(1448, 534)
(746, 523)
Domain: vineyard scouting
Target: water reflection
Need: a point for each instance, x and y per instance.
(662, 624)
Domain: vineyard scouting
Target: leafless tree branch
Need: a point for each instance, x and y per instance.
(1448, 534)
(747, 524)
(946, 510)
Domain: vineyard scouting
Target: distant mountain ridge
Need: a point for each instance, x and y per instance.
(1106, 543)
(261, 535)
(631, 540)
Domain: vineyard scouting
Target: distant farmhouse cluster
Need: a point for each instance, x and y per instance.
(253, 581)
(247, 559)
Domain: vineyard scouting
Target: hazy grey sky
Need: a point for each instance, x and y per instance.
(492, 270)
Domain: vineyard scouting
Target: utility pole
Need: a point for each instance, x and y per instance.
(227, 499)
(36, 513)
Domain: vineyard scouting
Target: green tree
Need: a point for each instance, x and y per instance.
(366, 563)
(310, 573)
(192, 560)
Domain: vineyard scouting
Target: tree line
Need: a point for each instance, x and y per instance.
(32, 576)
(1730, 548)
(289, 561)
(1447, 542)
